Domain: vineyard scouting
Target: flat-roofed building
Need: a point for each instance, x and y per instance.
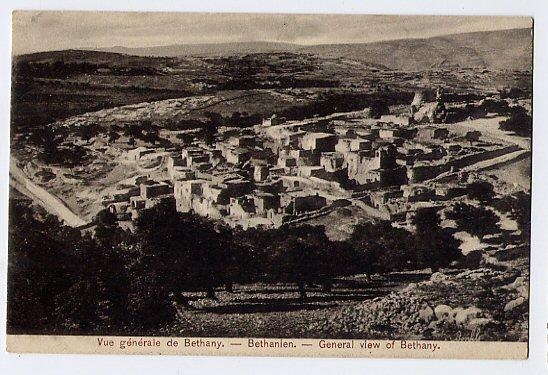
(215, 194)
(151, 189)
(137, 153)
(265, 201)
(260, 173)
(343, 145)
(320, 142)
(241, 207)
(242, 141)
(237, 155)
(237, 187)
(313, 171)
(137, 202)
(332, 161)
(298, 202)
(185, 191)
(287, 161)
(360, 144)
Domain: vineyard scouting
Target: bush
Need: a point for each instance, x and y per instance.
(519, 122)
(519, 208)
(477, 221)
(382, 248)
(379, 108)
(481, 191)
(435, 247)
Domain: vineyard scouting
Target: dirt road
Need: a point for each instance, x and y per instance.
(52, 204)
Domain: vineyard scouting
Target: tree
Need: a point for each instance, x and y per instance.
(47, 141)
(151, 135)
(382, 248)
(235, 118)
(518, 206)
(232, 256)
(208, 133)
(187, 139)
(512, 93)
(97, 299)
(302, 255)
(522, 214)
(154, 271)
(472, 136)
(107, 231)
(133, 130)
(519, 122)
(435, 247)
(89, 131)
(37, 265)
(379, 108)
(61, 281)
(500, 107)
(209, 129)
(426, 219)
(477, 221)
(173, 253)
(113, 136)
(481, 191)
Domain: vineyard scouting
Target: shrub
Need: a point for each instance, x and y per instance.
(477, 221)
(382, 248)
(481, 191)
(435, 247)
(519, 122)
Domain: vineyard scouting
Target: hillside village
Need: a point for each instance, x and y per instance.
(379, 162)
(281, 172)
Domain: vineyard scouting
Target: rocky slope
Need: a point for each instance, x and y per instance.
(481, 304)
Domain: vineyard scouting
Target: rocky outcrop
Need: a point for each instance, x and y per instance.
(479, 304)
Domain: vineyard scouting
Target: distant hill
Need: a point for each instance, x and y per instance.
(501, 49)
(208, 49)
(92, 57)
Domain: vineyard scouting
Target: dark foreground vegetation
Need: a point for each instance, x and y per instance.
(119, 283)
(519, 122)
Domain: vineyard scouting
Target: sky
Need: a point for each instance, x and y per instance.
(35, 31)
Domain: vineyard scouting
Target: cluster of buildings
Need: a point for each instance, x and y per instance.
(285, 171)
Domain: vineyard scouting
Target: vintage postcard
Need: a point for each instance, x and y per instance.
(270, 185)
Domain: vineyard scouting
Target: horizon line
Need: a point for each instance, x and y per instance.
(101, 49)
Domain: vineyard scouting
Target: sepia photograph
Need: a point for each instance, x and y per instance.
(232, 182)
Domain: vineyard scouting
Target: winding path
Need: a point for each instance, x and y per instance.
(52, 204)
